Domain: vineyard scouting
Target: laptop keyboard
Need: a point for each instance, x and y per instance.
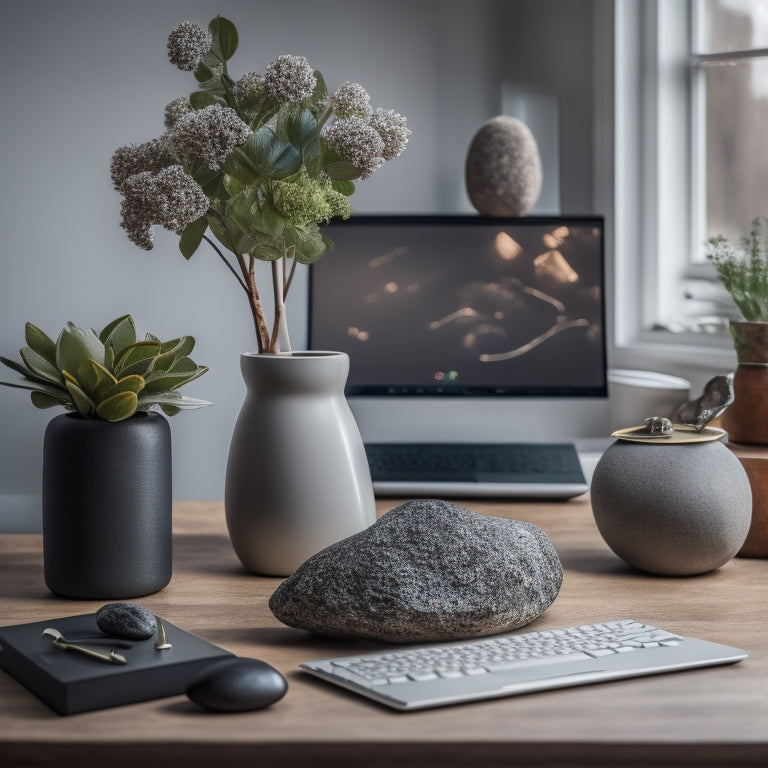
(529, 462)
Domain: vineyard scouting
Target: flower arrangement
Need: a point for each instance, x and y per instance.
(261, 163)
(743, 270)
(108, 375)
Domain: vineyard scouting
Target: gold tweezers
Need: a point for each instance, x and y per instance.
(58, 640)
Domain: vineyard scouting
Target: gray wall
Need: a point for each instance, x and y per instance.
(82, 77)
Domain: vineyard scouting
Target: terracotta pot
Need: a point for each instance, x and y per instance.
(746, 419)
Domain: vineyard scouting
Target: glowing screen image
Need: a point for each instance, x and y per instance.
(442, 305)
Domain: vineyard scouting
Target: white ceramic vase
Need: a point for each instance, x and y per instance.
(297, 475)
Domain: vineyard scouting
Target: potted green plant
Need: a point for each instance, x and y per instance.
(255, 165)
(743, 271)
(106, 463)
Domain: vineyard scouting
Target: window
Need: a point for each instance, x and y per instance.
(691, 154)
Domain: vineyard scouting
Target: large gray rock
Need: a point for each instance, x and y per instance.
(427, 570)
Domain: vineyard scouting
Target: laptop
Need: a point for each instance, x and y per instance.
(471, 339)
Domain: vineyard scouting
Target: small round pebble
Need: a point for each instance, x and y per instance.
(237, 685)
(126, 620)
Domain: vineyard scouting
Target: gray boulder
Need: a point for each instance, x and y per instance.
(425, 571)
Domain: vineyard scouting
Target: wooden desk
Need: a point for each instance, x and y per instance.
(708, 717)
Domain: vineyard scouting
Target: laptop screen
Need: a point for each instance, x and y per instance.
(462, 305)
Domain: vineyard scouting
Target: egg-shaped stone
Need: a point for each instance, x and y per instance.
(237, 685)
(503, 168)
(126, 620)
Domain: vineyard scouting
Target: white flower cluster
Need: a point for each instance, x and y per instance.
(187, 44)
(393, 129)
(250, 85)
(290, 78)
(208, 135)
(150, 156)
(354, 139)
(351, 99)
(176, 110)
(171, 198)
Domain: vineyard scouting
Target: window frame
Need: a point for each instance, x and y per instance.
(655, 181)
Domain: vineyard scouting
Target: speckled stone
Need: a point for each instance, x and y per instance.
(427, 570)
(126, 620)
(674, 510)
(237, 685)
(503, 168)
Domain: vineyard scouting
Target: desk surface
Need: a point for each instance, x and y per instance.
(716, 716)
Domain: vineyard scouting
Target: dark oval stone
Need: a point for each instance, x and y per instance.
(126, 620)
(237, 685)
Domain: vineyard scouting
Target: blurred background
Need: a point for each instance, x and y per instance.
(83, 77)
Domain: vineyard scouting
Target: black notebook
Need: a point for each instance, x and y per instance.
(70, 682)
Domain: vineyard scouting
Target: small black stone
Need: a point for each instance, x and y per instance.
(237, 685)
(126, 620)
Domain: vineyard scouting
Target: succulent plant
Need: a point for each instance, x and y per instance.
(108, 375)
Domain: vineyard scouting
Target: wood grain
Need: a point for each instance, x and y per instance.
(708, 717)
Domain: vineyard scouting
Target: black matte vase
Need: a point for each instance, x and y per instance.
(107, 506)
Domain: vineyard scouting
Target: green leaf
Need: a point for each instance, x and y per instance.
(224, 37)
(302, 132)
(310, 244)
(192, 236)
(43, 400)
(240, 166)
(95, 380)
(119, 334)
(136, 358)
(201, 99)
(273, 158)
(171, 399)
(75, 345)
(172, 351)
(133, 383)
(167, 381)
(203, 73)
(118, 407)
(40, 366)
(81, 401)
(62, 395)
(344, 187)
(40, 343)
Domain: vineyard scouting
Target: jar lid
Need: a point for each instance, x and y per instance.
(664, 432)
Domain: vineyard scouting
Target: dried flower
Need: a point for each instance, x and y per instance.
(249, 86)
(351, 99)
(393, 130)
(171, 198)
(176, 110)
(208, 135)
(290, 78)
(355, 140)
(150, 156)
(291, 150)
(187, 44)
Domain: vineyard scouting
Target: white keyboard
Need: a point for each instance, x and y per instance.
(504, 665)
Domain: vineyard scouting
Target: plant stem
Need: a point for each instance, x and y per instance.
(226, 262)
(257, 310)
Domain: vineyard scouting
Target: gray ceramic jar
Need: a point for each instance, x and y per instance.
(672, 509)
(297, 473)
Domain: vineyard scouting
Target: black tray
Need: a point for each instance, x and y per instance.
(70, 682)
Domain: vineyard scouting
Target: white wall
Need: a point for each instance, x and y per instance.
(82, 77)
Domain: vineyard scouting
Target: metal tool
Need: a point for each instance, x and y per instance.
(161, 644)
(60, 642)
